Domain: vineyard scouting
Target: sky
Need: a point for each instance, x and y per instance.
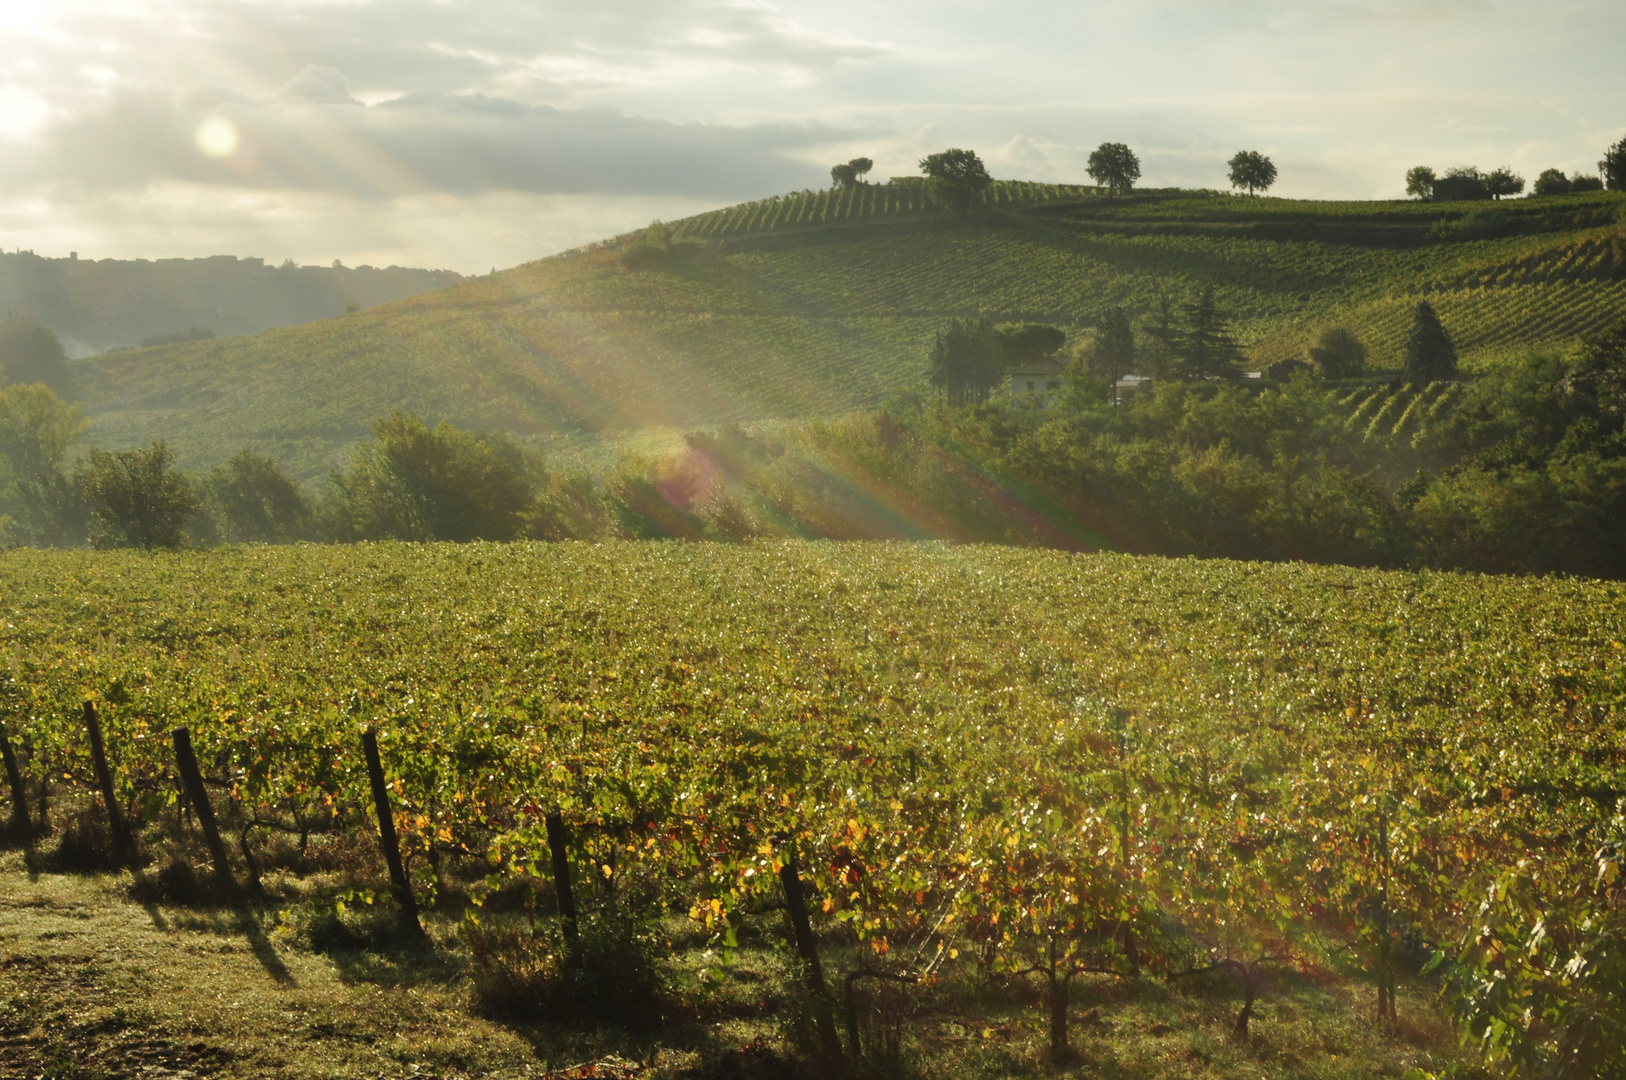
(472, 134)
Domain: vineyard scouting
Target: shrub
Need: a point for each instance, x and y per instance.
(611, 977)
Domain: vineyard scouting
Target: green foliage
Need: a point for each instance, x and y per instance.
(654, 249)
(966, 361)
(38, 504)
(1551, 182)
(1027, 343)
(1583, 182)
(957, 177)
(1430, 353)
(254, 501)
(30, 353)
(851, 173)
(1114, 166)
(1502, 182)
(1613, 166)
(1252, 170)
(137, 499)
(1206, 347)
(1112, 355)
(1338, 353)
(411, 482)
(1420, 182)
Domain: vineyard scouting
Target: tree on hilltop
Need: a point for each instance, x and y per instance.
(1420, 182)
(851, 173)
(1613, 166)
(957, 177)
(1430, 353)
(1503, 181)
(1252, 170)
(1552, 182)
(1114, 166)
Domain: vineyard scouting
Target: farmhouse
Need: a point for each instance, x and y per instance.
(1459, 189)
(1039, 380)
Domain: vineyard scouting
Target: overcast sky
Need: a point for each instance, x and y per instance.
(477, 133)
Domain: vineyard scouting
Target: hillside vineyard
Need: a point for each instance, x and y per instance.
(819, 304)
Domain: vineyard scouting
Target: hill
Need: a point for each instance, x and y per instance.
(95, 305)
(821, 303)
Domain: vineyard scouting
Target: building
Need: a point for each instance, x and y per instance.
(1039, 381)
(1459, 189)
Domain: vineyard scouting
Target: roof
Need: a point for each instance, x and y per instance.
(1048, 368)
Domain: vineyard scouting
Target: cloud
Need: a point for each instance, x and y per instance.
(313, 135)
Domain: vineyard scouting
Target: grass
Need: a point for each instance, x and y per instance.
(824, 317)
(96, 985)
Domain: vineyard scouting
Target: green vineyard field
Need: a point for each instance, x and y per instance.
(983, 754)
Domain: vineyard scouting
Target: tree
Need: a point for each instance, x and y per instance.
(412, 482)
(1420, 182)
(1582, 182)
(1338, 353)
(957, 177)
(137, 499)
(1027, 343)
(1114, 166)
(1613, 166)
(30, 353)
(843, 176)
(1503, 181)
(1113, 355)
(965, 361)
(36, 430)
(1252, 170)
(1552, 182)
(1599, 376)
(1163, 333)
(253, 500)
(860, 167)
(1206, 348)
(1430, 354)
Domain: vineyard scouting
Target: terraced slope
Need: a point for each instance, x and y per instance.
(808, 306)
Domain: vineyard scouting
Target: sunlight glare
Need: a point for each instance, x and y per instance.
(217, 137)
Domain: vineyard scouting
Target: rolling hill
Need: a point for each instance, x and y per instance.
(98, 304)
(820, 303)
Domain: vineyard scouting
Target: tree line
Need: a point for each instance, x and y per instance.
(1519, 470)
(958, 178)
(1422, 180)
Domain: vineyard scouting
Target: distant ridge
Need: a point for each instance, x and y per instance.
(95, 305)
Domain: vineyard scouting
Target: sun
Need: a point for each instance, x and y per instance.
(217, 137)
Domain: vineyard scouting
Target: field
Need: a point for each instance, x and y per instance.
(1011, 777)
(812, 305)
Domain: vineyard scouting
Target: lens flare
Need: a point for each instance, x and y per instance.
(217, 137)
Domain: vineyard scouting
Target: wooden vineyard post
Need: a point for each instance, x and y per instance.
(123, 843)
(824, 1016)
(559, 848)
(192, 777)
(386, 835)
(19, 800)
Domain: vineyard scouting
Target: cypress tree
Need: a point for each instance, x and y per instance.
(1430, 355)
